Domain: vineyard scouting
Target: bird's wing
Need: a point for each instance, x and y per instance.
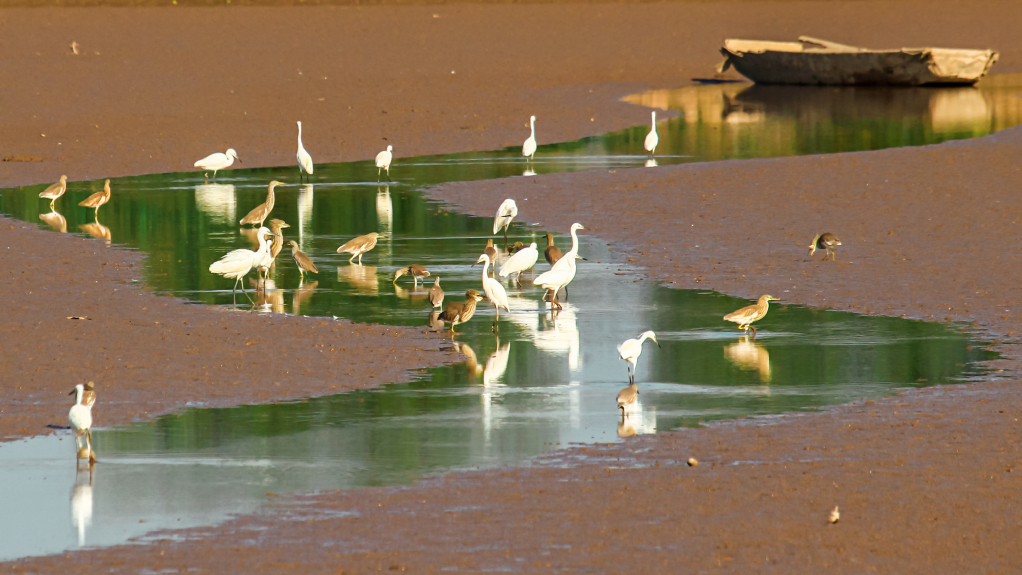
(211, 160)
(230, 259)
(745, 312)
(306, 262)
(306, 161)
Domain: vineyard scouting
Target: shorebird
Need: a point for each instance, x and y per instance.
(304, 159)
(236, 264)
(493, 290)
(383, 160)
(81, 417)
(552, 253)
(359, 246)
(97, 199)
(436, 294)
(303, 261)
(524, 259)
(505, 213)
(54, 191)
(457, 312)
(825, 241)
(529, 147)
(218, 161)
(490, 250)
(259, 214)
(562, 272)
(631, 349)
(276, 244)
(513, 249)
(748, 314)
(414, 270)
(652, 139)
(627, 396)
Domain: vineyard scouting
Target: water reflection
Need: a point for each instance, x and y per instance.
(96, 230)
(554, 332)
(81, 504)
(55, 220)
(496, 365)
(748, 355)
(360, 277)
(218, 202)
(302, 295)
(269, 297)
(306, 195)
(651, 163)
(471, 361)
(385, 210)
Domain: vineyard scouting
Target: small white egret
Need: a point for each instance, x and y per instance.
(524, 259)
(236, 264)
(218, 161)
(81, 417)
(529, 147)
(493, 290)
(54, 191)
(276, 244)
(505, 213)
(383, 160)
(631, 349)
(304, 159)
(652, 139)
(562, 272)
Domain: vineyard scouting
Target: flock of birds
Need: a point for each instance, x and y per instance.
(239, 263)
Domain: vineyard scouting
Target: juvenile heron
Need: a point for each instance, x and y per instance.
(303, 261)
(529, 147)
(457, 312)
(97, 199)
(748, 314)
(513, 249)
(81, 417)
(414, 270)
(383, 160)
(552, 253)
(505, 213)
(54, 191)
(236, 264)
(626, 397)
(436, 294)
(524, 259)
(490, 251)
(359, 246)
(631, 349)
(262, 211)
(493, 290)
(652, 139)
(218, 161)
(276, 244)
(825, 241)
(562, 272)
(304, 159)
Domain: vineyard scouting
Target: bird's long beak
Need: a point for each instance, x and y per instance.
(73, 391)
(658, 344)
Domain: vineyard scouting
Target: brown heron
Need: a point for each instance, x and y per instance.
(627, 396)
(414, 270)
(436, 294)
(97, 199)
(457, 312)
(262, 211)
(54, 191)
(303, 261)
(359, 246)
(748, 314)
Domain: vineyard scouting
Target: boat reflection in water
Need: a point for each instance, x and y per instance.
(748, 355)
(81, 504)
(218, 202)
(55, 220)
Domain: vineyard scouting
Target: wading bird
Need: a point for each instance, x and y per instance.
(513, 249)
(383, 160)
(97, 199)
(218, 161)
(414, 270)
(81, 417)
(490, 250)
(825, 241)
(304, 159)
(631, 349)
(493, 290)
(276, 244)
(652, 139)
(505, 213)
(748, 314)
(262, 211)
(626, 397)
(529, 147)
(54, 191)
(457, 312)
(236, 264)
(562, 272)
(359, 246)
(524, 259)
(303, 261)
(436, 294)
(552, 253)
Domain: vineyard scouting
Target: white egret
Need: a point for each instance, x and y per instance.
(236, 264)
(276, 244)
(562, 272)
(631, 349)
(652, 139)
(218, 161)
(383, 160)
(529, 147)
(304, 159)
(524, 259)
(54, 191)
(493, 290)
(81, 417)
(505, 213)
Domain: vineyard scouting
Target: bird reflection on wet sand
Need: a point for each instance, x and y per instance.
(625, 428)
(81, 504)
(96, 230)
(55, 220)
(362, 278)
(268, 296)
(747, 355)
(302, 295)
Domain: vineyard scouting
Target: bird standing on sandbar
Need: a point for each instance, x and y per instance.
(303, 261)
(529, 147)
(631, 349)
(436, 294)
(414, 270)
(652, 139)
(524, 259)
(54, 191)
(81, 418)
(236, 264)
(218, 161)
(748, 314)
(626, 397)
(825, 241)
(259, 214)
(505, 213)
(359, 246)
(562, 272)
(383, 160)
(493, 290)
(457, 312)
(97, 199)
(304, 159)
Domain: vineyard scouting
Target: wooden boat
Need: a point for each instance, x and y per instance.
(812, 61)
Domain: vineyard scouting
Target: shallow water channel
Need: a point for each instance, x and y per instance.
(543, 383)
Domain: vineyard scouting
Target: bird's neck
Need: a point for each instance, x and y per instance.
(532, 127)
(79, 392)
(299, 134)
(574, 243)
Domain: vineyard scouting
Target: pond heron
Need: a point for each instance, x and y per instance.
(748, 314)
(359, 246)
(97, 199)
(54, 191)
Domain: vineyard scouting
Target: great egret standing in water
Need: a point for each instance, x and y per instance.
(529, 147)
(562, 272)
(383, 160)
(523, 259)
(218, 161)
(631, 349)
(652, 139)
(493, 290)
(304, 159)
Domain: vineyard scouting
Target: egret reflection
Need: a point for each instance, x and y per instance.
(651, 163)
(496, 365)
(81, 504)
(747, 355)
(553, 334)
(218, 202)
(55, 220)
(385, 209)
(306, 195)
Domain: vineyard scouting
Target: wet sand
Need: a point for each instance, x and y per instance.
(926, 480)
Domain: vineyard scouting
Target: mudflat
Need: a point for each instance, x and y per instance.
(925, 480)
